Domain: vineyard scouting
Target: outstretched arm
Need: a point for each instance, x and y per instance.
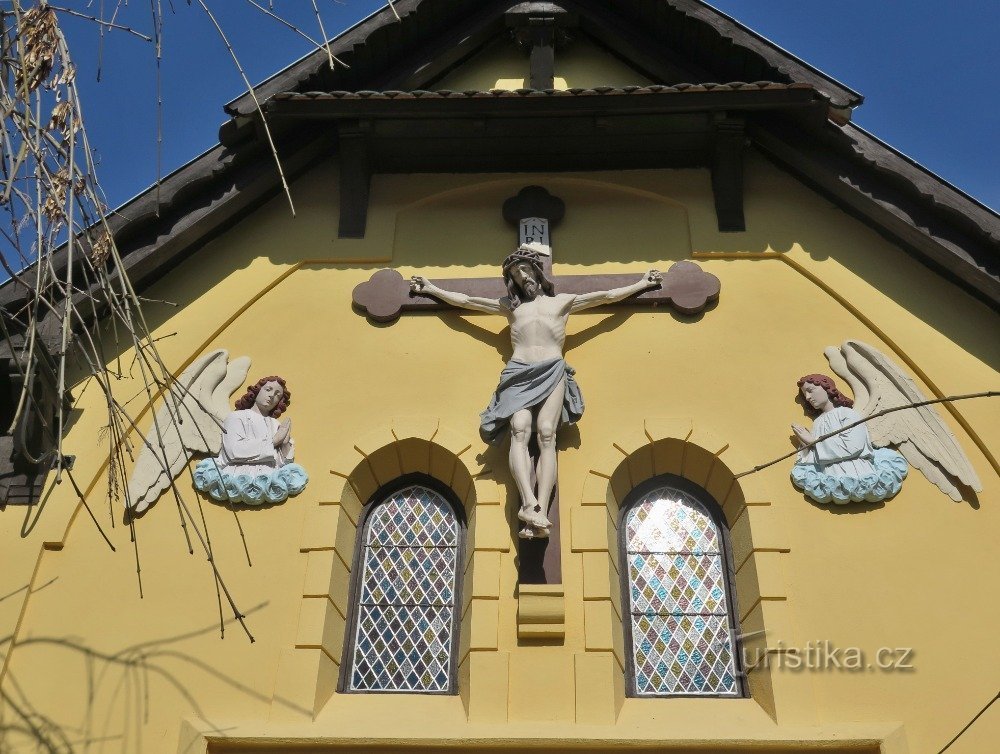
(599, 298)
(462, 301)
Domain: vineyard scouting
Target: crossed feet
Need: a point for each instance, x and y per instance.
(536, 525)
(530, 532)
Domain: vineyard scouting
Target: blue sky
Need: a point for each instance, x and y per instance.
(928, 70)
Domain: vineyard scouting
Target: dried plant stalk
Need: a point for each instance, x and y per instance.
(77, 309)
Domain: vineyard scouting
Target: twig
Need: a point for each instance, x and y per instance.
(27, 587)
(107, 24)
(61, 384)
(301, 33)
(828, 435)
(970, 723)
(239, 526)
(157, 12)
(74, 303)
(159, 301)
(83, 500)
(239, 616)
(260, 112)
(322, 32)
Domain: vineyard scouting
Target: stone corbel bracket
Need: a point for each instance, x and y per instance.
(541, 611)
(686, 288)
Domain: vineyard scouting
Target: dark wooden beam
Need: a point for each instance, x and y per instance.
(647, 54)
(685, 287)
(562, 104)
(665, 49)
(581, 143)
(669, 125)
(649, 127)
(441, 55)
(309, 66)
(31, 450)
(355, 178)
(156, 232)
(540, 152)
(543, 65)
(727, 173)
(540, 27)
(539, 561)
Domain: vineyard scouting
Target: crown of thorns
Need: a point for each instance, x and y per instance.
(523, 255)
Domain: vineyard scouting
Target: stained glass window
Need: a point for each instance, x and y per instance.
(404, 631)
(680, 627)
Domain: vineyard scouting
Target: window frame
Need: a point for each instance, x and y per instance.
(715, 512)
(357, 566)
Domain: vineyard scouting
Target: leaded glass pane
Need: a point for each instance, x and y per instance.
(686, 654)
(670, 521)
(414, 516)
(682, 642)
(402, 649)
(405, 613)
(677, 584)
(409, 576)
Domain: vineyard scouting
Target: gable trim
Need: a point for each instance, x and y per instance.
(368, 44)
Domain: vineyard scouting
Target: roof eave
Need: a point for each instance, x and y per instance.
(842, 98)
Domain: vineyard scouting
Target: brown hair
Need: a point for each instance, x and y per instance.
(827, 383)
(247, 400)
(523, 254)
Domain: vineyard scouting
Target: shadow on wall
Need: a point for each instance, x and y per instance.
(783, 213)
(501, 342)
(608, 221)
(117, 691)
(604, 222)
(455, 227)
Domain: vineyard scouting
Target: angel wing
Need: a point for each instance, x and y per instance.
(918, 433)
(200, 401)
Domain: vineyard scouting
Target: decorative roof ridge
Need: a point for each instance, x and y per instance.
(298, 73)
(732, 86)
(886, 159)
(772, 53)
(312, 61)
(203, 187)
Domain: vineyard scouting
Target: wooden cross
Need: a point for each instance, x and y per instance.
(686, 288)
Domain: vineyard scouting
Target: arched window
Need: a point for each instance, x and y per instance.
(403, 622)
(676, 580)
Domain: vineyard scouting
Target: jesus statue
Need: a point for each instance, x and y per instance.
(537, 390)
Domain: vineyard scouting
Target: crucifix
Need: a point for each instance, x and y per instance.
(537, 391)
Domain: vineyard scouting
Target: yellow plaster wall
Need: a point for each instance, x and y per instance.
(503, 65)
(92, 661)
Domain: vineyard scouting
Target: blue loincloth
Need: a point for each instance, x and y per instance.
(524, 385)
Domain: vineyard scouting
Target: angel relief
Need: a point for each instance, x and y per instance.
(844, 467)
(255, 464)
(253, 452)
(845, 457)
